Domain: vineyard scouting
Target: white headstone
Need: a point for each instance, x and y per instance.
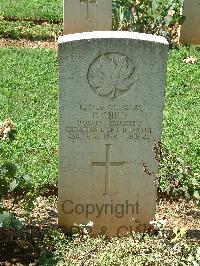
(190, 30)
(87, 15)
(111, 97)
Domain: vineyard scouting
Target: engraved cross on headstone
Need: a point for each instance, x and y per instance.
(108, 165)
(88, 2)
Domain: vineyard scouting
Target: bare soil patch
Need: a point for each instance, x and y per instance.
(180, 214)
(24, 249)
(25, 43)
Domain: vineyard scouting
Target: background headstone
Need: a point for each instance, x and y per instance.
(87, 15)
(111, 97)
(190, 30)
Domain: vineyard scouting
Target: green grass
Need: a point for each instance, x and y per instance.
(46, 9)
(24, 29)
(180, 169)
(49, 10)
(182, 109)
(29, 97)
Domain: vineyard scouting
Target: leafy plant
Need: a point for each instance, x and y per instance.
(160, 17)
(176, 177)
(8, 221)
(10, 182)
(136, 249)
(7, 174)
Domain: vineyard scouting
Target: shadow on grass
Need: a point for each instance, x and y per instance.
(27, 37)
(20, 247)
(38, 21)
(194, 214)
(28, 29)
(193, 234)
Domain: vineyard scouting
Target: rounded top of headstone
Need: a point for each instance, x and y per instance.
(112, 35)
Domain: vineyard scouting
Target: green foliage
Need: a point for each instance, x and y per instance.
(136, 249)
(7, 178)
(25, 29)
(17, 187)
(29, 97)
(176, 177)
(54, 239)
(7, 175)
(46, 9)
(180, 163)
(181, 123)
(11, 183)
(8, 221)
(160, 17)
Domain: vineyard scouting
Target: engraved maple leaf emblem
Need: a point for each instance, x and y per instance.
(111, 75)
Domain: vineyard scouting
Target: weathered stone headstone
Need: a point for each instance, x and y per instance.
(87, 15)
(190, 30)
(111, 96)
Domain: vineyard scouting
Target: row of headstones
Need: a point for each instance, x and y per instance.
(111, 100)
(90, 15)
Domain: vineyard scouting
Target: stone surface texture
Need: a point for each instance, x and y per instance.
(111, 98)
(87, 15)
(190, 30)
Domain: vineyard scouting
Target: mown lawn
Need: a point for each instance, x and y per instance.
(34, 19)
(181, 125)
(182, 105)
(37, 9)
(29, 96)
(28, 29)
